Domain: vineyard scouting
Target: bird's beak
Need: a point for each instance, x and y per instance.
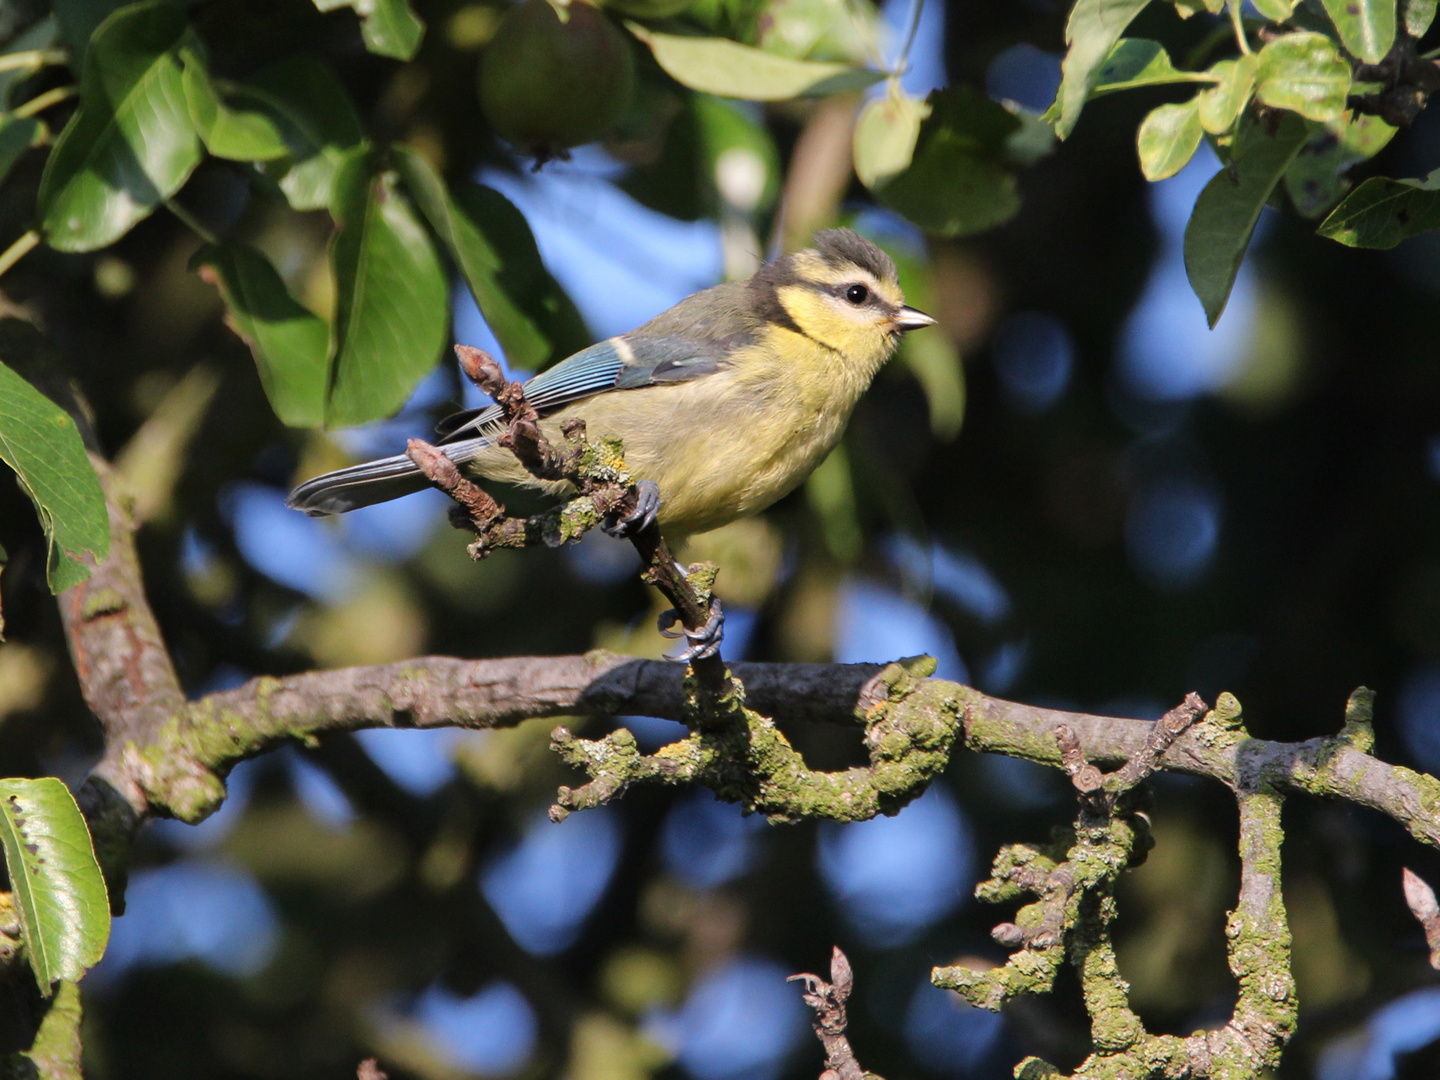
(908, 318)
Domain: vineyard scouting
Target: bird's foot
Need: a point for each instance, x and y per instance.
(647, 505)
(702, 642)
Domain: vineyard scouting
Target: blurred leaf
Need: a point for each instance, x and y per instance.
(1224, 218)
(17, 134)
(1381, 212)
(1304, 73)
(291, 344)
(1032, 141)
(1136, 62)
(527, 282)
(1315, 180)
(78, 20)
(392, 314)
(1419, 14)
(1275, 10)
(4, 558)
(41, 443)
(714, 155)
(1168, 138)
(317, 120)
(959, 181)
(729, 69)
(64, 908)
(830, 491)
(885, 137)
(817, 29)
(1186, 8)
(55, 1053)
(43, 35)
(491, 282)
(1222, 104)
(389, 27)
(242, 131)
(1367, 27)
(1091, 32)
(131, 144)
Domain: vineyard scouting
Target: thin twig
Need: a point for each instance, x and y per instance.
(827, 999)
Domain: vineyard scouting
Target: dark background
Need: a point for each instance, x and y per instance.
(1134, 508)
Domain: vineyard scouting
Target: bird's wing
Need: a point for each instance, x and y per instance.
(620, 363)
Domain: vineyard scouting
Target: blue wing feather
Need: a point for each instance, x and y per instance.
(603, 366)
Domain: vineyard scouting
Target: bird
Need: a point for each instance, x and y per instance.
(724, 403)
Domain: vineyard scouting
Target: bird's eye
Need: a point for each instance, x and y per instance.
(857, 294)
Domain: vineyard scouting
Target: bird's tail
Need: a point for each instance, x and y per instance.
(371, 482)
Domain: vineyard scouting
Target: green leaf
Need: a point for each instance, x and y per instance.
(885, 138)
(291, 344)
(1315, 180)
(17, 134)
(1221, 105)
(959, 181)
(242, 130)
(1304, 73)
(389, 27)
(1092, 31)
(131, 144)
(1168, 138)
(41, 443)
(1367, 27)
(1419, 14)
(1186, 8)
(1275, 10)
(315, 118)
(392, 315)
(1136, 62)
(64, 908)
(1381, 212)
(729, 69)
(1224, 218)
(495, 286)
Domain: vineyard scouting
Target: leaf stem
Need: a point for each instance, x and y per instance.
(902, 62)
(18, 250)
(195, 224)
(1239, 24)
(45, 100)
(33, 58)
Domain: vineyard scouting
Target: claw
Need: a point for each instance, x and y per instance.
(647, 505)
(703, 642)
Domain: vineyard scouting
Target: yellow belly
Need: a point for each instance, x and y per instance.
(717, 449)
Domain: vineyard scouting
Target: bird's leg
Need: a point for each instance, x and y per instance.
(704, 642)
(647, 505)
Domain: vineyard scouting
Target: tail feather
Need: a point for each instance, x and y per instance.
(371, 482)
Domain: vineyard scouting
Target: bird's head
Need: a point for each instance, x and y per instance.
(843, 293)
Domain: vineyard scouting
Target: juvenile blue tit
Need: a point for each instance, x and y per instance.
(726, 402)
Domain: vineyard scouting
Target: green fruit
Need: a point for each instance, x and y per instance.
(546, 86)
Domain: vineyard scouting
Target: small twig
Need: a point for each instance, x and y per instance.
(1162, 736)
(18, 250)
(1100, 791)
(1421, 899)
(689, 593)
(828, 1001)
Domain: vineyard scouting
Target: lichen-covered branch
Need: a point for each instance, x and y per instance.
(1076, 907)
(750, 761)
